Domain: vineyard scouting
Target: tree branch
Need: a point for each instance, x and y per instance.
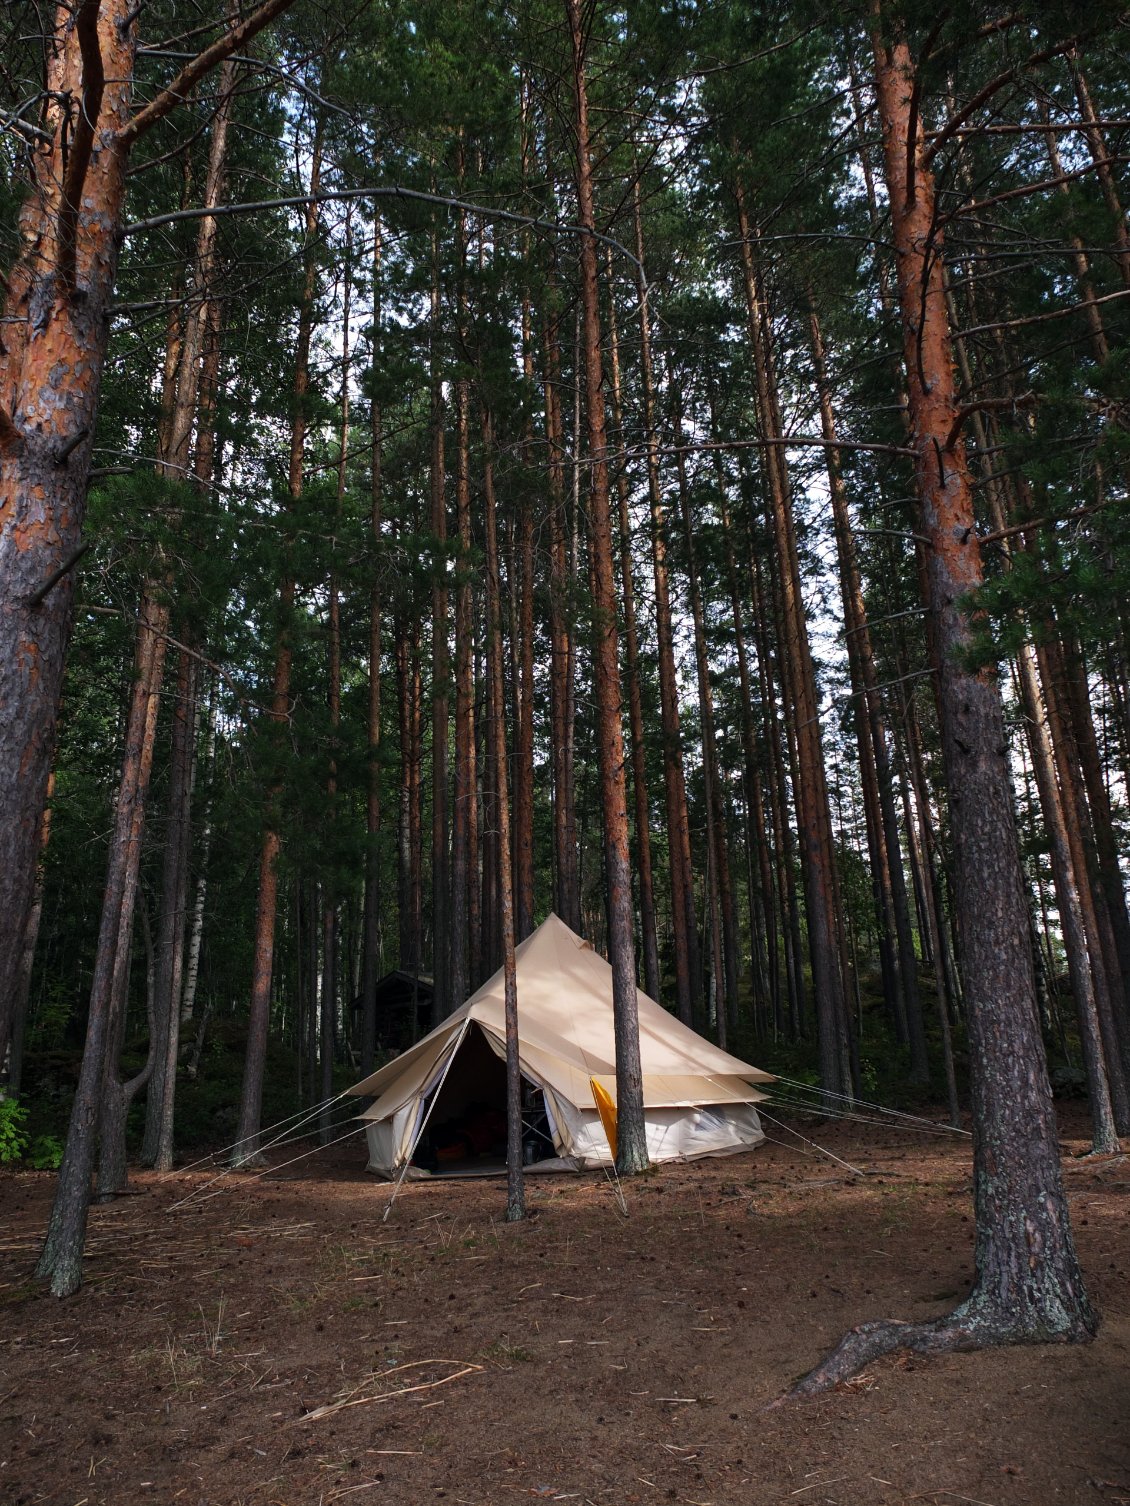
(236, 689)
(82, 144)
(985, 93)
(1044, 183)
(56, 576)
(1063, 517)
(1071, 308)
(390, 191)
(985, 405)
(191, 74)
(916, 105)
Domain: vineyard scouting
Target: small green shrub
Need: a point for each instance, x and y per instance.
(13, 1135)
(46, 1153)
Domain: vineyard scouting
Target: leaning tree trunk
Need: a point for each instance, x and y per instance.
(61, 1258)
(1028, 1287)
(631, 1142)
(27, 960)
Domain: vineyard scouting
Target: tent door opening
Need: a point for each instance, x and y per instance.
(466, 1130)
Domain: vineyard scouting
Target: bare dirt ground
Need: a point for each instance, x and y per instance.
(277, 1345)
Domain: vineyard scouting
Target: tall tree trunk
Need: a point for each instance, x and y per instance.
(27, 961)
(1077, 923)
(371, 919)
(724, 921)
(1027, 1286)
(462, 823)
(872, 735)
(763, 939)
(632, 668)
(196, 930)
(814, 815)
(1081, 832)
(1111, 880)
(1100, 156)
(778, 802)
(55, 308)
(56, 324)
(61, 1257)
(631, 1142)
(156, 1145)
(515, 1190)
(566, 896)
(523, 630)
(683, 925)
(331, 919)
(246, 1151)
(441, 1004)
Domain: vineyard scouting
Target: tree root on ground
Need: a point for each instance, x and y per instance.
(975, 1324)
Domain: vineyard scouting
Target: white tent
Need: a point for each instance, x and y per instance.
(698, 1100)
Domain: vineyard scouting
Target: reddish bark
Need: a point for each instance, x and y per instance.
(56, 328)
(1027, 1286)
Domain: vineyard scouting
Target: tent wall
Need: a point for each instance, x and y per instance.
(698, 1099)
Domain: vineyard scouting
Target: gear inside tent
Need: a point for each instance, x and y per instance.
(440, 1107)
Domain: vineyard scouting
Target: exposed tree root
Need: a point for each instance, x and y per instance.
(976, 1324)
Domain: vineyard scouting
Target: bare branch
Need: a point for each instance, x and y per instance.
(986, 93)
(1020, 128)
(193, 72)
(1063, 517)
(389, 191)
(916, 105)
(42, 592)
(985, 405)
(1040, 187)
(1071, 308)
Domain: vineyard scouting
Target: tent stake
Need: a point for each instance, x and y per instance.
(424, 1122)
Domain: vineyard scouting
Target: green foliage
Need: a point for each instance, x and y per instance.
(13, 1134)
(46, 1153)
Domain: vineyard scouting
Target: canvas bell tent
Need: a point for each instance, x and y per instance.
(441, 1104)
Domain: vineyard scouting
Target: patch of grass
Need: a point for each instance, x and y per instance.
(24, 1292)
(506, 1355)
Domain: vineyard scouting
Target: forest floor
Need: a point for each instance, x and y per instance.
(277, 1345)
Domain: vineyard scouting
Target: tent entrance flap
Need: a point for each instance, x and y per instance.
(465, 1132)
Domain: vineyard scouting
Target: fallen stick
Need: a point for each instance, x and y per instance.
(353, 1400)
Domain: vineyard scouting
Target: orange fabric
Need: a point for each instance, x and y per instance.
(606, 1108)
